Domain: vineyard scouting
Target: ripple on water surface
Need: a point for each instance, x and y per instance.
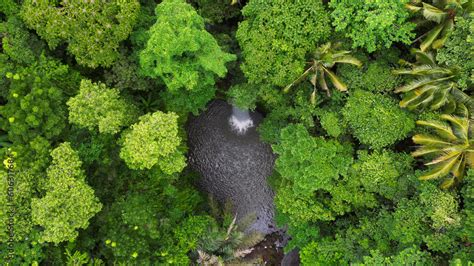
(233, 166)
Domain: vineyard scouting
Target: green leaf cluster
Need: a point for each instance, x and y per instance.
(376, 120)
(69, 203)
(92, 30)
(183, 54)
(36, 100)
(373, 25)
(154, 141)
(97, 106)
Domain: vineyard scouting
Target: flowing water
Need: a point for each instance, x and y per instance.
(224, 147)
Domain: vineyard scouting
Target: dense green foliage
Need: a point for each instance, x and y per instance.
(184, 55)
(376, 120)
(36, 99)
(367, 106)
(97, 106)
(69, 202)
(91, 29)
(275, 38)
(154, 141)
(372, 24)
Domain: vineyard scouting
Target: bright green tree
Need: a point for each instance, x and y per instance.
(184, 55)
(97, 106)
(376, 120)
(69, 202)
(93, 30)
(383, 172)
(154, 141)
(373, 24)
(315, 184)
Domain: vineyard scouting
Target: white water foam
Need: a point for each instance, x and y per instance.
(240, 120)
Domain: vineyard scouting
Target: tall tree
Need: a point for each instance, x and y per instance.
(69, 202)
(184, 55)
(452, 145)
(93, 30)
(373, 24)
(154, 141)
(432, 86)
(324, 58)
(97, 106)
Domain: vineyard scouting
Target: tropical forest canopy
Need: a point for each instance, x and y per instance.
(368, 106)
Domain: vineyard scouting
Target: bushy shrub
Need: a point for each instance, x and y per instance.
(275, 38)
(93, 30)
(376, 120)
(154, 141)
(184, 55)
(373, 25)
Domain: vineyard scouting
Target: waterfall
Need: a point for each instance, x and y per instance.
(240, 120)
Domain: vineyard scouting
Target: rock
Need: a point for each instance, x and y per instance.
(292, 258)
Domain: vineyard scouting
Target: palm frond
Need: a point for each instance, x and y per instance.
(323, 84)
(416, 84)
(418, 101)
(460, 125)
(440, 99)
(429, 140)
(442, 170)
(412, 8)
(444, 157)
(433, 13)
(443, 129)
(431, 36)
(299, 79)
(336, 81)
(464, 99)
(459, 167)
(348, 60)
(448, 26)
(424, 150)
(423, 58)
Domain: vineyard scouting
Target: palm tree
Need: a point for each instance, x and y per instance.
(324, 58)
(434, 87)
(452, 146)
(226, 241)
(441, 12)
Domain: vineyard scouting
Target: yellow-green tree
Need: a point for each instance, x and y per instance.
(154, 141)
(69, 202)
